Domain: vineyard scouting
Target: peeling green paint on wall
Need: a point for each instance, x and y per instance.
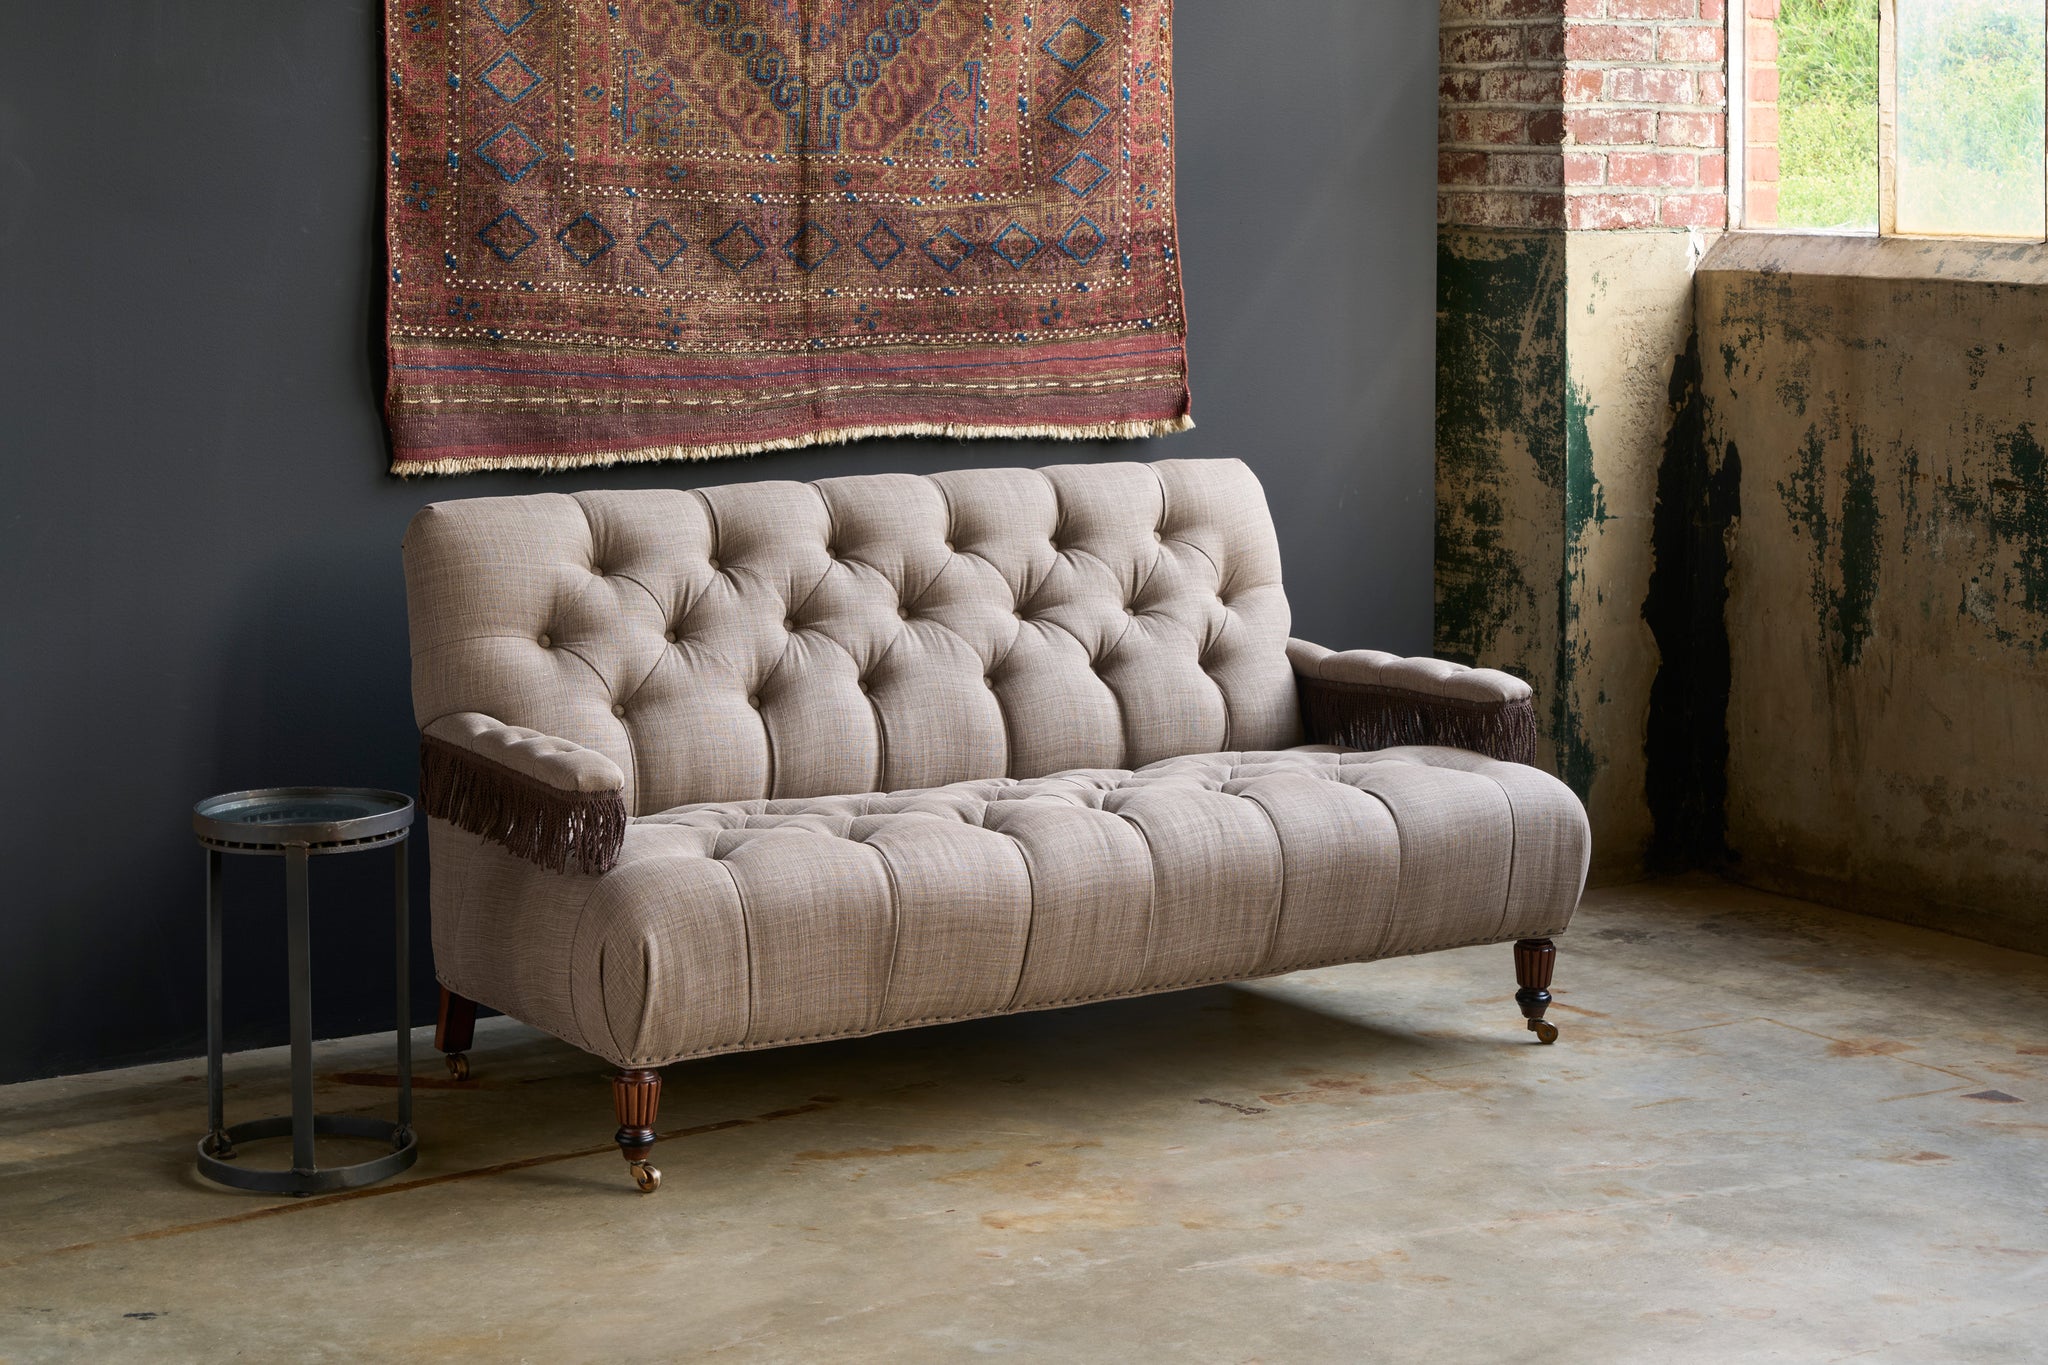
(1585, 508)
(1499, 396)
(1999, 520)
(2019, 514)
(1861, 524)
(1846, 554)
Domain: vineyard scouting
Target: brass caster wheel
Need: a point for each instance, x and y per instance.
(458, 1065)
(1545, 1031)
(645, 1176)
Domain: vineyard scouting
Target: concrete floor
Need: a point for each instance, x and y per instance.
(1769, 1132)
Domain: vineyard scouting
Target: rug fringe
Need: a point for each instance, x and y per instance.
(533, 820)
(1097, 431)
(1366, 717)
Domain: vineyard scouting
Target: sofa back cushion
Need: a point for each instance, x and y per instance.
(872, 633)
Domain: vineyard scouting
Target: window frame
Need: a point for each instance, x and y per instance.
(1736, 123)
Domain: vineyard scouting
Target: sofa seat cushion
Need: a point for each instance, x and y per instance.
(750, 924)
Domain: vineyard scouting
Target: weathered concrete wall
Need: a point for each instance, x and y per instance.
(1554, 355)
(1500, 449)
(1886, 404)
(1629, 301)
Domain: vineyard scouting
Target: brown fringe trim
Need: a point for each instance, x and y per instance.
(533, 820)
(1366, 716)
(1045, 431)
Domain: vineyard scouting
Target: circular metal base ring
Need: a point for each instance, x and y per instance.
(312, 1182)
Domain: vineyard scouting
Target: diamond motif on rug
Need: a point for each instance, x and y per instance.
(507, 235)
(1015, 245)
(508, 15)
(511, 152)
(584, 238)
(737, 247)
(948, 249)
(810, 246)
(1091, 113)
(520, 78)
(660, 243)
(1072, 44)
(1065, 176)
(881, 246)
(1076, 249)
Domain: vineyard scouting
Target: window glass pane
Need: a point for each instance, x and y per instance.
(1970, 111)
(1827, 114)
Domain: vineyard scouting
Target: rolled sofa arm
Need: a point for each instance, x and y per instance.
(1365, 700)
(544, 799)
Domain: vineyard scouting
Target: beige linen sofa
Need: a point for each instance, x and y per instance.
(734, 768)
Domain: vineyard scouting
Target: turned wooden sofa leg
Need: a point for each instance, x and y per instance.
(1534, 960)
(636, 1096)
(454, 1031)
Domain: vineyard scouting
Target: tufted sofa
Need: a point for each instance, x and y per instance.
(747, 766)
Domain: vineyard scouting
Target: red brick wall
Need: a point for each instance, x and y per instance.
(1592, 114)
(1760, 119)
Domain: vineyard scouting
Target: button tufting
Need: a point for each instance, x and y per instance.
(903, 613)
(546, 642)
(862, 684)
(618, 709)
(789, 624)
(949, 548)
(715, 568)
(669, 636)
(754, 702)
(989, 682)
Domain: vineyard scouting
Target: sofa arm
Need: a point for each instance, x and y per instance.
(544, 799)
(1368, 700)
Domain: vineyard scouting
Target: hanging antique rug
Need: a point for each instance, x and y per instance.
(680, 229)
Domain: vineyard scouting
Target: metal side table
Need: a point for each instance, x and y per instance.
(298, 822)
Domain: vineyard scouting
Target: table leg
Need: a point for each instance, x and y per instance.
(402, 889)
(216, 1104)
(299, 947)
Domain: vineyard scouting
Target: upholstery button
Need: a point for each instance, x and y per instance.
(669, 636)
(862, 684)
(546, 642)
(949, 548)
(903, 613)
(1159, 536)
(754, 702)
(789, 624)
(989, 682)
(1130, 610)
(714, 565)
(618, 709)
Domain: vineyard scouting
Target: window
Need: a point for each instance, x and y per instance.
(1908, 117)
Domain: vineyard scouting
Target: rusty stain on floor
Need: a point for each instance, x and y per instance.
(1727, 1157)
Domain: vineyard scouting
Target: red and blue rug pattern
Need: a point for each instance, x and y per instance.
(682, 229)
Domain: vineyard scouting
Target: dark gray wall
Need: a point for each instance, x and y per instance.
(199, 558)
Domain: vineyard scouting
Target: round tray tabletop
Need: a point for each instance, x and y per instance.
(272, 817)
